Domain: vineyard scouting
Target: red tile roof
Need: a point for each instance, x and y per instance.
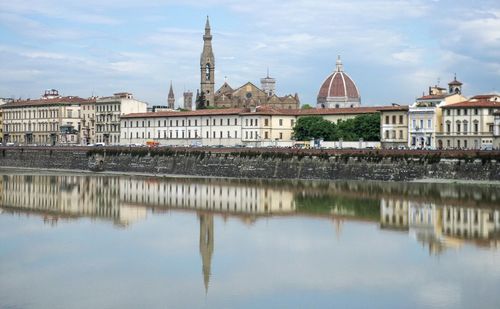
(268, 111)
(484, 96)
(474, 104)
(434, 97)
(202, 112)
(45, 102)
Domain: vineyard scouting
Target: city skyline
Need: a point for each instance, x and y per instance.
(99, 48)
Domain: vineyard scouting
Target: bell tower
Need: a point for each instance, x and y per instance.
(207, 67)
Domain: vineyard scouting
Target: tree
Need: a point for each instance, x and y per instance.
(306, 106)
(365, 126)
(201, 101)
(313, 127)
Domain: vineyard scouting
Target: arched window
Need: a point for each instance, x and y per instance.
(207, 71)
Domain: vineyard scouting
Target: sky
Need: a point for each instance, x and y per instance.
(393, 50)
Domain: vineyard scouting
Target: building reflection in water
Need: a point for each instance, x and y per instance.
(439, 216)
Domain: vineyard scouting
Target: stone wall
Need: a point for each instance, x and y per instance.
(255, 166)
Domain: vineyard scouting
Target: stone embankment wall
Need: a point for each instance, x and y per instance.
(259, 163)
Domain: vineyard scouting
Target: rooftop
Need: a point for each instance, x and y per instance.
(475, 103)
(268, 111)
(47, 102)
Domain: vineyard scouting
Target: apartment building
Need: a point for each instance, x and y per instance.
(394, 127)
(470, 124)
(87, 132)
(108, 113)
(425, 115)
(50, 120)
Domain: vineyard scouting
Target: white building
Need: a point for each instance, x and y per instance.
(108, 114)
(425, 116)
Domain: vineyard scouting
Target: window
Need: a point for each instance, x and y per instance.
(292, 122)
(281, 135)
(459, 112)
(465, 127)
(447, 112)
(476, 111)
(386, 119)
(476, 127)
(281, 122)
(429, 123)
(400, 134)
(266, 122)
(458, 127)
(421, 123)
(387, 134)
(266, 135)
(228, 122)
(448, 127)
(413, 123)
(465, 112)
(400, 119)
(394, 119)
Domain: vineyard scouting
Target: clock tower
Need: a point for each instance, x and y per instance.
(207, 68)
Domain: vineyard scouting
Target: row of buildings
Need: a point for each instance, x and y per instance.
(440, 120)
(444, 119)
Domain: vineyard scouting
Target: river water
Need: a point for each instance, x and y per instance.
(106, 241)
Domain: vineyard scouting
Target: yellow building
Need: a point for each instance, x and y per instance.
(394, 127)
(469, 124)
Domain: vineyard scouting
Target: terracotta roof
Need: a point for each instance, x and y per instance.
(338, 84)
(484, 96)
(434, 97)
(478, 103)
(395, 108)
(44, 102)
(267, 111)
(201, 112)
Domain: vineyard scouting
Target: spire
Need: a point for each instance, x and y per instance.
(267, 72)
(340, 67)
(171, 91)
(207, 28)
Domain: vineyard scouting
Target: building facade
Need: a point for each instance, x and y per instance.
(87, 132)
(109, 111)
(48, 121)
(394, 127)
(496, 131)
(2, 102)
(469, 124)
(425, 119)
(226, 127)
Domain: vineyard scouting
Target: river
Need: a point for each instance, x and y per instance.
(109, 241)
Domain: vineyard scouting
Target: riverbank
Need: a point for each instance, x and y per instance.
(263, 163)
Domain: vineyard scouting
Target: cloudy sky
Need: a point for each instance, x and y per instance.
(393, 50)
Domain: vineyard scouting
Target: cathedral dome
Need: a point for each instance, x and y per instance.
(338, 90)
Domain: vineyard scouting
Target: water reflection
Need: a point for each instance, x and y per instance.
(439, 216)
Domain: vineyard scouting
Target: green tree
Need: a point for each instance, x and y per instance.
(306, 106)
(365, 126)
(311, 127)
(201, 101)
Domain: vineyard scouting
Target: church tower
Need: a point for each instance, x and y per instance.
(188, 100)
(171, 97)
(207, 67)
(206, 245)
